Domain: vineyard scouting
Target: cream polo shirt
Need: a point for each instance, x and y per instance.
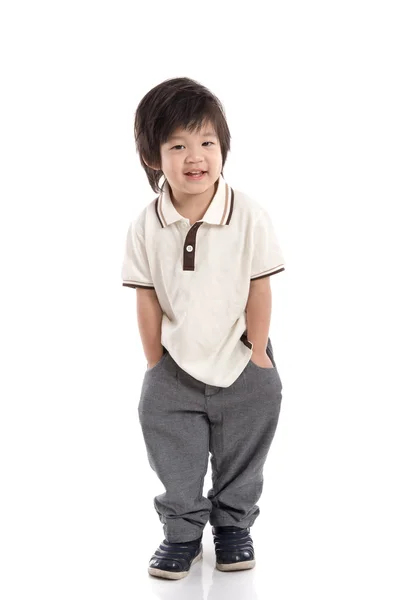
(201, 274)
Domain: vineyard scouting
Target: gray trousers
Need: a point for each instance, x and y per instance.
(184, 419)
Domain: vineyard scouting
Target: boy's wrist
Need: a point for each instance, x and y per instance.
(155, 355)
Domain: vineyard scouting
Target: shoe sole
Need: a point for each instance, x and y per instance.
(174, 574)
(239, 566)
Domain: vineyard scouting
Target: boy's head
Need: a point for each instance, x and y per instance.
(183, 108)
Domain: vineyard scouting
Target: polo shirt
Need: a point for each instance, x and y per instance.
(201, 274)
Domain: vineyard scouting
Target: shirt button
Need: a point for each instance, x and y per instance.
(189, 248)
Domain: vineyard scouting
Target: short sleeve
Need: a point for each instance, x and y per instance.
(267, 258)
(135, 267)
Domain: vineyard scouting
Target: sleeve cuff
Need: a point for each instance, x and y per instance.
(147, 286)
(268, 273)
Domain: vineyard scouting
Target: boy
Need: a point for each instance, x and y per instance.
(200, 256)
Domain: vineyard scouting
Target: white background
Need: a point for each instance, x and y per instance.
(311, 93)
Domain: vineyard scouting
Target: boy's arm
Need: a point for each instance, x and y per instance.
(149, 316)
(258, 317)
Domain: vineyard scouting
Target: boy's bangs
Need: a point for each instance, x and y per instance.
(193, 123)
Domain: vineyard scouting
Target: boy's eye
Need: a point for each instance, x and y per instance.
(179, 145)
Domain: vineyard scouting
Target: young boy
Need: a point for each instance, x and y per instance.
(200, 256)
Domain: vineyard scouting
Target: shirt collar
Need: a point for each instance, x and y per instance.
(219, 211)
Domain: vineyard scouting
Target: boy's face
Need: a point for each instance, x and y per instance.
(192, 151)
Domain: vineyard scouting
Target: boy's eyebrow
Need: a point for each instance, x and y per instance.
(178, 137)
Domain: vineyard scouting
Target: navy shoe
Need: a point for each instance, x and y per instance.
(233, 548)
(172, 560)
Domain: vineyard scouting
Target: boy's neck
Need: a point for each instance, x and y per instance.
(193, 206)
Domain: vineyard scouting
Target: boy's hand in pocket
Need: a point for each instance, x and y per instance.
(262, 360)
(153, 363)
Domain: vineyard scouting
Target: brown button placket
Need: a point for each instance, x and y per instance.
(189, 247)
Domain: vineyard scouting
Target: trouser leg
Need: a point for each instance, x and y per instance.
(243, 420)
(176, 434)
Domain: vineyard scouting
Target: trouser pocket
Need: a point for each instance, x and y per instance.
(268, 349)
